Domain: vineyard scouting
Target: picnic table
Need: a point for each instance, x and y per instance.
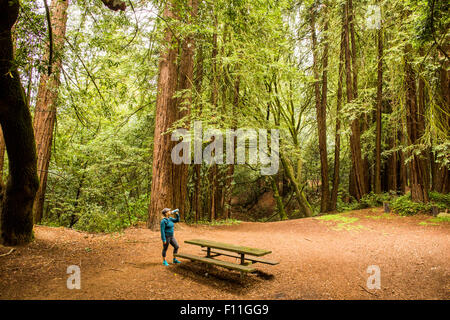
(214, 249)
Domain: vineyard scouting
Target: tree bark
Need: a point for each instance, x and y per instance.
(167, 187)
(198, 167)
(321, 102)
(415, 126)
(305, 208)
(337, 137)
(45, 112)
(185, 82)
(378, 113)
(355, 143)
(16, 218)
(2, 154)
(278, 198)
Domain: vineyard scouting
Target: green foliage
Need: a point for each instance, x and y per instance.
(440, 198)
(369, 200)
(372, 199)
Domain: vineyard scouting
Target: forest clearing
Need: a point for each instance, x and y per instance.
(320, 259)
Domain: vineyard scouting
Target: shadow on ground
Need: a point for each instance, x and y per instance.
(218, 278)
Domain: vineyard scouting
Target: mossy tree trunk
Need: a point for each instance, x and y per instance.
(16, 217)
(278, 198)
(305, 208)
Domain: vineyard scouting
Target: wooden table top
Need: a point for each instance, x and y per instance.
(229, 247)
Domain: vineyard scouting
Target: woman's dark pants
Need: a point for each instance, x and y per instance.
(173, 242)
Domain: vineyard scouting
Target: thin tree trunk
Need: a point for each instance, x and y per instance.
(185, 82)
(2, 155)
(230, 171)
(378, 113)
(278, 198)
(321, 101)
(415, 125)
(214, 102)
(355, 143)
(337, 137)
(441, 172)
(198, 167)
(16, 217)
(305, 208)
(364, 172)
(45, 112)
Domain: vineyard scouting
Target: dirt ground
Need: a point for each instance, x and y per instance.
(320, 258)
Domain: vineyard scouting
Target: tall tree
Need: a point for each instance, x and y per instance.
(355, 137)
(321, 104)
(167, 177)
(47, 99)
(415, 124)
(378, 111)
(16, 218)
(337, 139)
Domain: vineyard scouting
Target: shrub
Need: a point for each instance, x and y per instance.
(404, 206)
(371, 199)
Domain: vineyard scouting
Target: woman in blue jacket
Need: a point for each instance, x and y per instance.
(167, 225)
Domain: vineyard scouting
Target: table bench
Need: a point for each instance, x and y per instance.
(240, 252)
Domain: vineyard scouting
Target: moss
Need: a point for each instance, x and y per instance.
(436, 221)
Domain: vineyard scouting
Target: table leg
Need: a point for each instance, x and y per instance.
(208, 252)
(242, 258)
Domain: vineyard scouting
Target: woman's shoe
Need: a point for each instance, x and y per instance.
(176, 261)
(165, 263)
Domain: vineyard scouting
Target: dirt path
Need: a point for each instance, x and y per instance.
(321, 258)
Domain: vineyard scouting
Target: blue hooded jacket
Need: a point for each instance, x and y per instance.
(167, 225)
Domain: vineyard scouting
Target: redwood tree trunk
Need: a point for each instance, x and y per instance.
(185, 81)
(321, 102)
(337, 137)
(415, 126)
(16, 217)
(198, 167)
(355, 142)
(168, 189)
(45, 112)
(378, 113)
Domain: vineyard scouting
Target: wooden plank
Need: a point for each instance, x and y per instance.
(218, 253)
(228, 247)
(220, 263)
